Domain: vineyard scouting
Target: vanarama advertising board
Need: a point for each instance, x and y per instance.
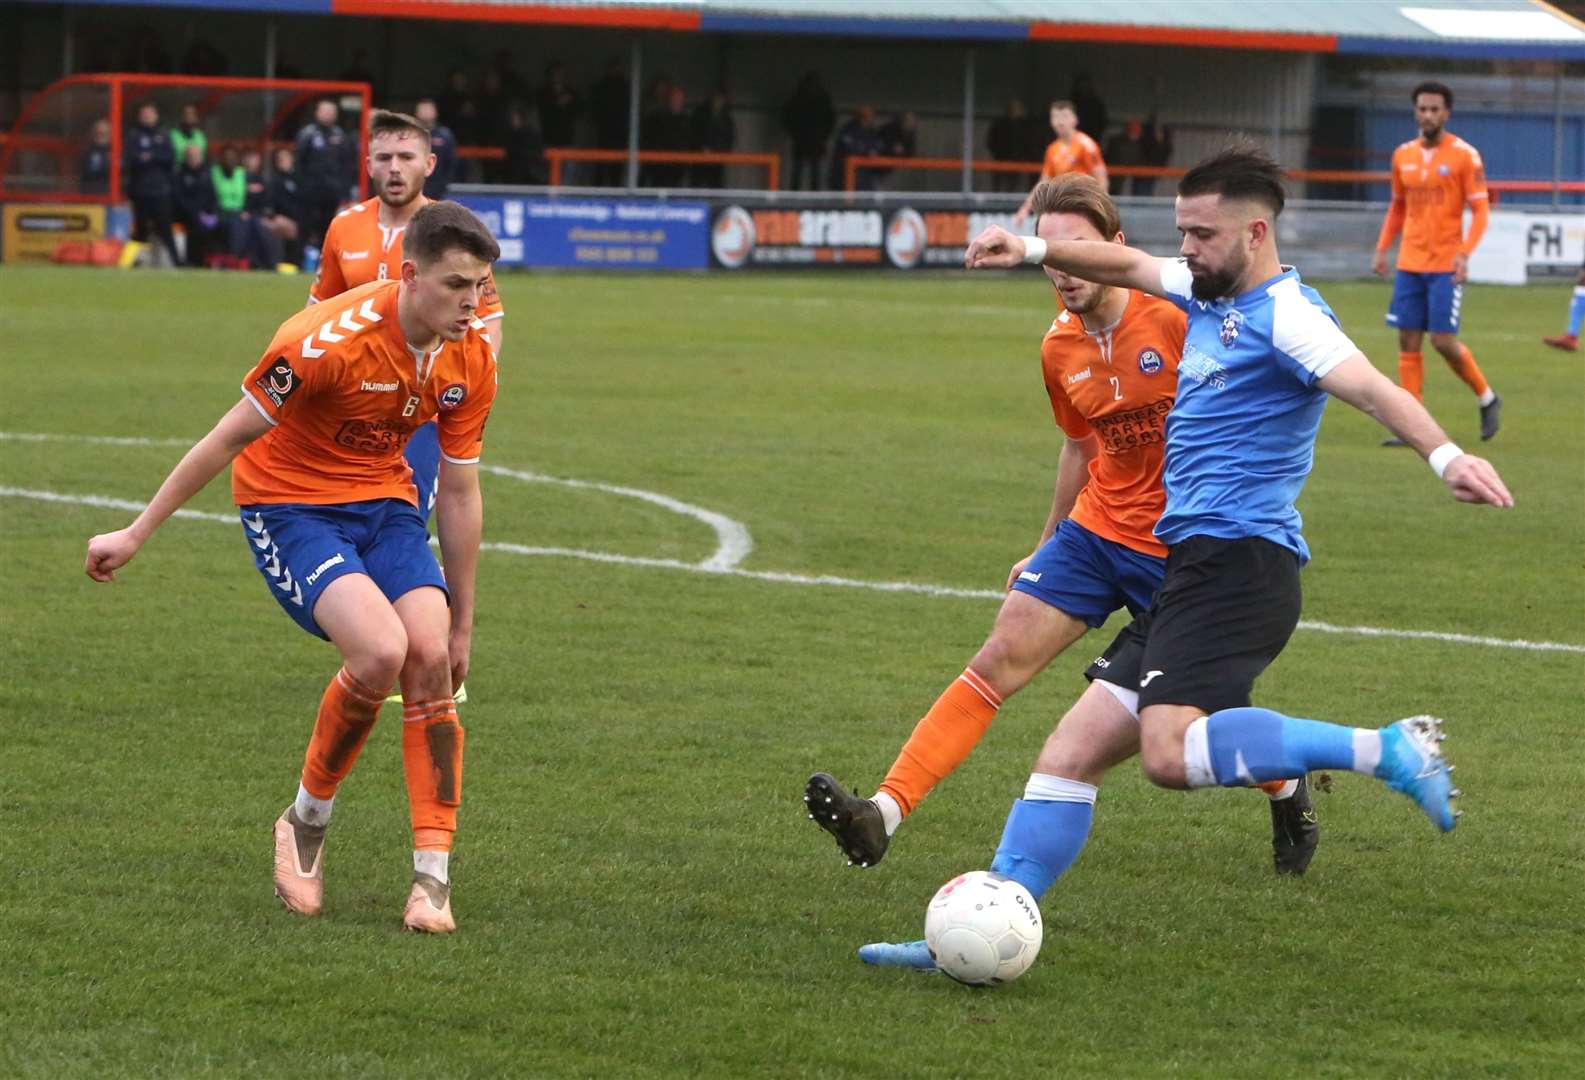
(837, 236)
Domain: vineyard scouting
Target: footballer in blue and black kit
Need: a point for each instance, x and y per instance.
(1240, 442)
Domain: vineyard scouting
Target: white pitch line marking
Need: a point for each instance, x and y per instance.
(733, 541)
(733, 544)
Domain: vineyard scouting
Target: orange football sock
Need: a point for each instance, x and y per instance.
(432, 762)
(1469, 371)
(1273, 787)
(942, 739)
(346, 716)
(1411, 373)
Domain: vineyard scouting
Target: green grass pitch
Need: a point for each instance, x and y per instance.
(638, 890)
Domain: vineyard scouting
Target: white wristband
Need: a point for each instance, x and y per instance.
(1034, 250)
(1441, 456)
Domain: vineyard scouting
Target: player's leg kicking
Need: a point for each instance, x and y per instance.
(1075, 581)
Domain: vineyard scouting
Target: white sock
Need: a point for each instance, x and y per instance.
(1044, 787)
(1488, 397)
(433, 863)
(891, 813)
(1285, 791)
(1367, 750)
(1197, 769)
(312, 811)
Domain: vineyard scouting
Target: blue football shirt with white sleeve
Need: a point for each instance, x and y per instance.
(1241, 434)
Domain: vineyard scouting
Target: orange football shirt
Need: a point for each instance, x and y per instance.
(1435, 184)
(358, 250)
(1078, 154)
(1118, 384)
(343, 392)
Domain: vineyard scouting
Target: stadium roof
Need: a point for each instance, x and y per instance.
(1450, 29)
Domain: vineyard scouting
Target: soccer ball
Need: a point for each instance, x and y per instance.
(983, 928)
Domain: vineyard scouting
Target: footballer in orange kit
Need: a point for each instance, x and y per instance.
(330, 515)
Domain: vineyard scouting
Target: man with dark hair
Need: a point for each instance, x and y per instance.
(189, 132)
(1110, 364)
(364, 243)
(1434, 177)
(324, 169)
(1261, 354)
(328, 510)
(147, 164)
(442, 143)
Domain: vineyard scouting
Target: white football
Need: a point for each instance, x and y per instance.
(983, 928)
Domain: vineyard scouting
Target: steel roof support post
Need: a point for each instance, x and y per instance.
(1557, 136)
(632, 112)
(968, 121)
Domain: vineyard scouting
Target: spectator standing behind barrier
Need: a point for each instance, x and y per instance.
(495, 106)
(858, 138)
(713, 132)
(282, 210)
(667, 128)
(324, 169)
(189, 133)
(1008, 140)
(608, 104)
(809, 118)
(195, 206)
(1089, 107)
(1158, 152)
(559, 106)
(1127, 147)
(457, 104)
(442, 143)
(147, 165)
(260, 245)
(525, 148)
(93, 170)
(898, 137)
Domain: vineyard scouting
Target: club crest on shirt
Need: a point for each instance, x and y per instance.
(1149, 361)
(279, 382)
(452, 396)
(1442, 170)
(1232, 326)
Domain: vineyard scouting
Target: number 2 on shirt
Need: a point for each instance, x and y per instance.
(1117, 389)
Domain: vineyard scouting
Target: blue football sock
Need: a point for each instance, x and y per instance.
(1576, 310)
(1041, 840)
(1251, 746)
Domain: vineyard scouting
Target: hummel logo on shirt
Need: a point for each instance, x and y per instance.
(364, 254)
(1078, 376)
(380, 387)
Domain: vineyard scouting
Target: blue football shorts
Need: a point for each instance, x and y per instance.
(1428, 301)
(1088, 576)
(301, 548)
(423, 454)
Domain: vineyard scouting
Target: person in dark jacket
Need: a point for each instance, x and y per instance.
(667, 128)
(326, 170)
(442, 143)
(610, 108)
(525, 148)
(146, 174)
(1008, 140)
(809, 118)
(93, 172)
(559, 106)
(858, 138)
(196, 207)
(713, 130)
(899, 137)
(282, 211)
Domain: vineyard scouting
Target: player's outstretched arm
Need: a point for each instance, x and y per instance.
(108, 552)
(459, 517)
(1092, 260)
(1469, 478)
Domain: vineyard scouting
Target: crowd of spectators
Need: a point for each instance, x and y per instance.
(498, 109)
(231, 209)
